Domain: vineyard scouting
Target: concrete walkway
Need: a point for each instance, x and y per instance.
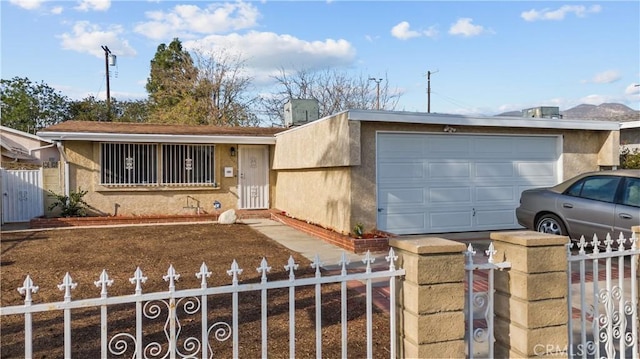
(309, 246)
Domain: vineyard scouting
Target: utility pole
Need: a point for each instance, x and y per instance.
(107, 52)
(429, 90)
(377, 81)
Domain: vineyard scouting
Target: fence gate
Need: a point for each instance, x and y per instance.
(603, 298)
(22, 195)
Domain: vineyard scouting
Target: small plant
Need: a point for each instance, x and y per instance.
(358, 230)
(629, 158)
(72, 205)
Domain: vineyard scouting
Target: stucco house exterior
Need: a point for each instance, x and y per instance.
(139, 169)
(400, 172)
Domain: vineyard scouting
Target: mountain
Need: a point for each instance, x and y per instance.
(606, 111)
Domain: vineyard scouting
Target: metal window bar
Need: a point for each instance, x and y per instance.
(609, 334)
(481, 300)
(193, 301)
(124, 164)
(188, 164)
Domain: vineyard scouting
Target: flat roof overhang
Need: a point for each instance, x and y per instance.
(155, 138)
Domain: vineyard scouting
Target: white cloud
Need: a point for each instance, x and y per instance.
(88, 38)
(465, 27)
(560, 13)
(27, 4)
(95, 5)
(57, 10)
(185, 21)
(632, 89)
(265, 51)
(403, 31)
(606, 77)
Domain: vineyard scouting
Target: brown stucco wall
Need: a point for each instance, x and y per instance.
(85, 171)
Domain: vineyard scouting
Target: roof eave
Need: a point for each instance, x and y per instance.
(156, 138)
(462, 120)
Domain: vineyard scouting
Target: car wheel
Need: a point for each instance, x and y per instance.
(550, 223)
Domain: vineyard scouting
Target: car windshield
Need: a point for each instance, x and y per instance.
(599, 188)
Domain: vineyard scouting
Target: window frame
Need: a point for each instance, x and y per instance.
(196, 165)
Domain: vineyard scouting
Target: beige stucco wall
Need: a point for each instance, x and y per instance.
(320, 196)
(331, 142)
(313, 166)
(84, 172)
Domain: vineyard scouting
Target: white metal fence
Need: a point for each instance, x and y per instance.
(479, 309)
(603, 286)
(193, 302)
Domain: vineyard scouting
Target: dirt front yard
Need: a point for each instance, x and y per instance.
(84, 252)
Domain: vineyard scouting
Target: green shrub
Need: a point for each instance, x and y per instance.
(629, 159)
(72, 205)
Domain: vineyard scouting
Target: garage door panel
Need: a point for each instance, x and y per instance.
(450, 147)
(400, 172)
(494, 218)
(536, 148)
(439, 195)
(488, 147)
(451, 220)
(535, 169)
(406, 223)
(494, 170)
(449, 170)
(408, 147)
(403, 196)
(494, 194)
(466, 182)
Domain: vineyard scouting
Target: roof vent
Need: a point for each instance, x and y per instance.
(300, 111)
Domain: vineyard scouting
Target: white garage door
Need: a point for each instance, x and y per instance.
(432, 183)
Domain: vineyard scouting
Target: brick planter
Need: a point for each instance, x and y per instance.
(356, 245)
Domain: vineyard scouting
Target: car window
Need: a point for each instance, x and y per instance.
(599, 188)
(631, 192)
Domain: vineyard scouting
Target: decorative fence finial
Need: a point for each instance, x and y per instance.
(28, 288)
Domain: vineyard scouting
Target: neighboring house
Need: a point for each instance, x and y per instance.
(22, 150)
(27, 166)
(401, 172)
(630, 135)
(143, 169)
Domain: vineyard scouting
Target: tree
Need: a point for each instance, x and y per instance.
(92, 109)
(29, 106)
(222, 90)
(335, 91)
(172, 85)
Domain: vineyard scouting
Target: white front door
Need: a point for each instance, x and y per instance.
(253, 183)
(436, 183)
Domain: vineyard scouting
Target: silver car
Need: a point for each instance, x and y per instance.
(591, 203)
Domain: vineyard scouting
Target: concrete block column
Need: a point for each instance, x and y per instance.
(430, 298)
(531, 297)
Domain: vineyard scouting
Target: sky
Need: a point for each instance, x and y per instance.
(484, 57)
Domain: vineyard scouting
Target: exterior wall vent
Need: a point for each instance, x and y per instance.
(300, 111)
(542, 112)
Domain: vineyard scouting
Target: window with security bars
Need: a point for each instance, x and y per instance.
(129, 164)
(187, 164)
